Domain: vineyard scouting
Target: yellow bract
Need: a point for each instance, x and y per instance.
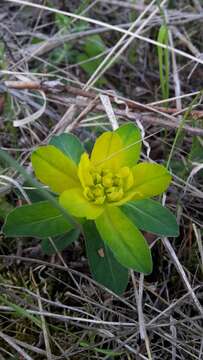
(74, 202)
(107, 152)
(84, 168)
(54, 168)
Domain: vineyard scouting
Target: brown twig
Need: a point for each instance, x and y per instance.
(57, 86)
(131, 115)
(126, 109)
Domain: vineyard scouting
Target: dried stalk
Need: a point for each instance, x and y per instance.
(81, 98)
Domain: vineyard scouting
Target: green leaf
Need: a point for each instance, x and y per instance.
(125, 240)
(40, 219)
(150, 216)
(90, 66)
(104, 267)
(63, 22)
(94, 45)
(69, 144)
(163, 57)
(60, 242)
(132, 141)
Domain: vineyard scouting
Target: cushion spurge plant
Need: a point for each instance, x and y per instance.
(108, 194)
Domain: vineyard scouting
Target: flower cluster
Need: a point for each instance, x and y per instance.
(96, 187)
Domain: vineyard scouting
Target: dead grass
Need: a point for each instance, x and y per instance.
(50, 308)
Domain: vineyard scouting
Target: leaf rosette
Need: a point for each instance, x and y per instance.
(109, 190)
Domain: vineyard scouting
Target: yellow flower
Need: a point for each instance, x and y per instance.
(95, 187)
(108, 178)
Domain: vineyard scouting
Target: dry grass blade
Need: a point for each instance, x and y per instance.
(199, 242)
(110, 27)
(182, 274)
(16, 347)
(109, 110)
(107, 62)
(51, 53)
(43, 322)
